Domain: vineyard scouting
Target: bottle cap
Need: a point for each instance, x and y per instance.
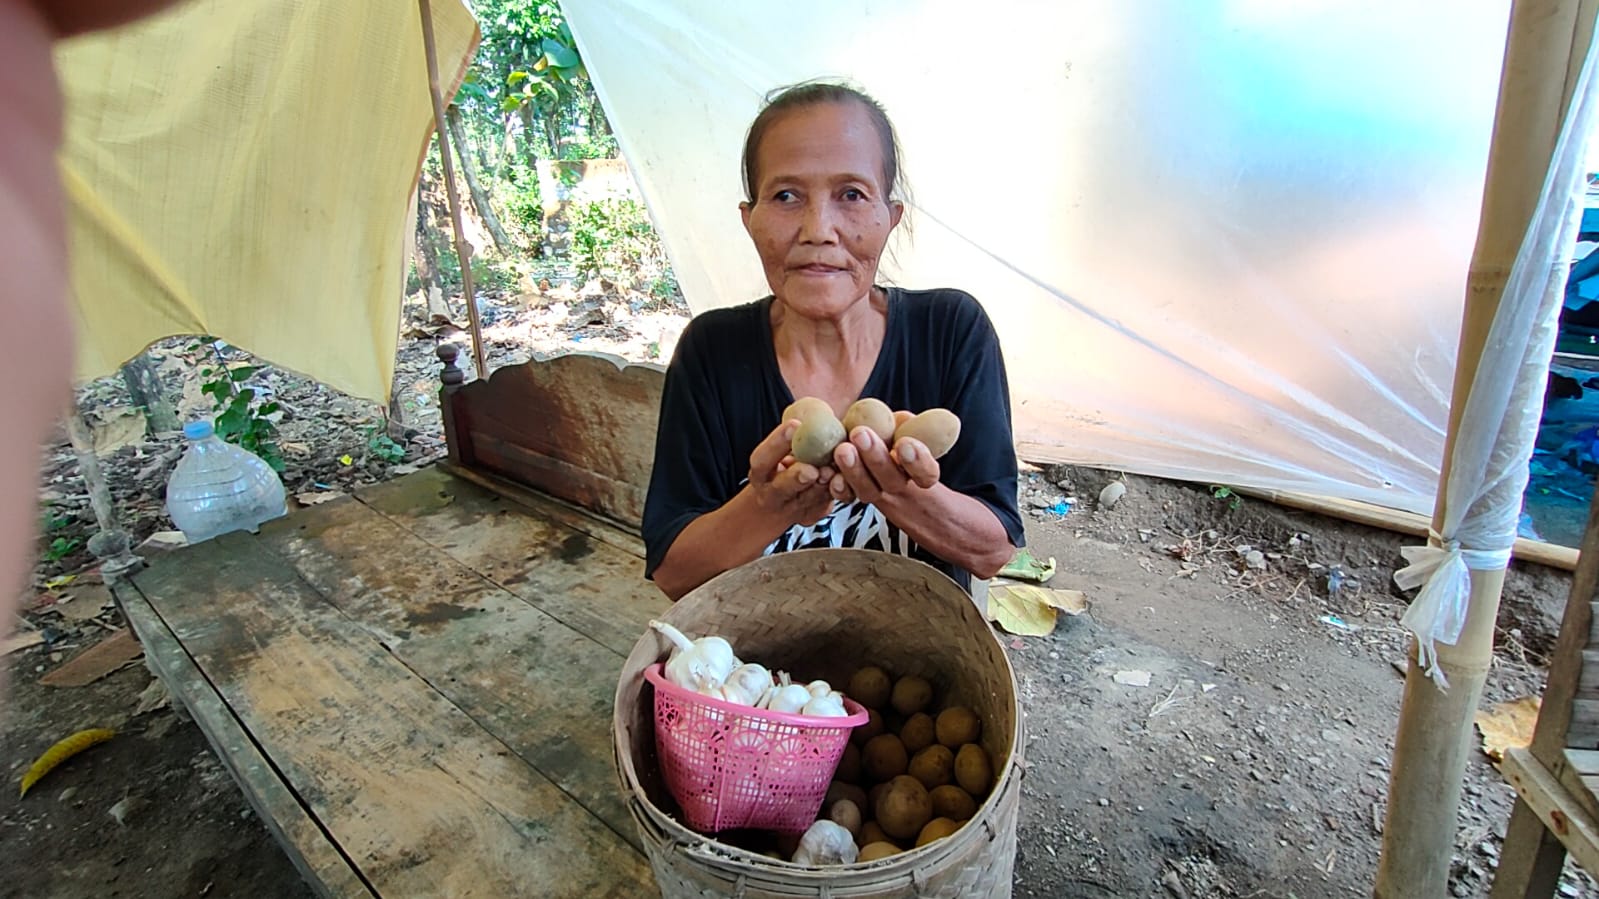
(198, 430)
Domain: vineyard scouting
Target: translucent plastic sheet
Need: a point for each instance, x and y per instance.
(1222, 241)
(1488, 469)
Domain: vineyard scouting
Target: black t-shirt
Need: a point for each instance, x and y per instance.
(724, 394)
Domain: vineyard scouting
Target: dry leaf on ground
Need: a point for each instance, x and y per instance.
(1030, 611)
(1507, 725)
(317, 498)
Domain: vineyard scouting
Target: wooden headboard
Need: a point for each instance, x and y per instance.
(579, 427)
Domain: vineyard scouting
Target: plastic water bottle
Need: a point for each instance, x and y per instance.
(218, 487)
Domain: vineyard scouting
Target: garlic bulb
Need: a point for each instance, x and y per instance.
(829, 706)
(789, 699)
(747, 684)
(701, 665)
(826, 843)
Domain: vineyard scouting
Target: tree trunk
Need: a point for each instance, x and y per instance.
(427, 253)
(145, 388)
(480, 198)
(598, 123)
(552, 128)
(530, 149)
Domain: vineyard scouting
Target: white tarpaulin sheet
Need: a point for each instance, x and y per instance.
(1222, 241)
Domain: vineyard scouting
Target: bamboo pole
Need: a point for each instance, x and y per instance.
(1547, 44)
(441, 127)
(110, 544)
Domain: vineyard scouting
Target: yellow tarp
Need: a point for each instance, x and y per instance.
(243, 168)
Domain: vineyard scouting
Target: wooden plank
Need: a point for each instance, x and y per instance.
(586, 584)
(1583, 730)
(1588, 675)
(1569, 822)
(542, 688)
(579, 426)
(558, 477)
(1583, 761)
(542, 505)
(1556, 714)
(421, 798)
(1578, 785)
(318, 859)
(1533, 871)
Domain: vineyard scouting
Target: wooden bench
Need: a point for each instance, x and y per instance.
(413, 685)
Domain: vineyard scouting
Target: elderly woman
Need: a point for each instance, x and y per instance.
(820, 171)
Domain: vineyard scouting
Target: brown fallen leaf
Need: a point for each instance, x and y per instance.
(1507, 725)
(86, 601)
(119, 428)
(21, 640)
(317, 498)
(1031, 611)
(111, 654)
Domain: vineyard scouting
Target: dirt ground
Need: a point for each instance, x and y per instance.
(1254, 764)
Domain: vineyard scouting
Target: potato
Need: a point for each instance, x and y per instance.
(871, 832)
(911, 695)
(863, 734)
(819, 432)
(937, 429)
(849, 765)
(973, 770)
(847, 815)
(872, 852)
(884, 758)
(904, 808)
(934, 766)
(872, 413)
(937, 829)
(950, 801)
(806, 406)
(918, 732)
(875, 794)
(838, 790)
(870, 687)
(956, 726)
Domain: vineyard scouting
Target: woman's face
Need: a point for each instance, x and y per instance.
(821, 215)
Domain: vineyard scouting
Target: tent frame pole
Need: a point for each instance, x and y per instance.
(1545, 49)
(463, 250)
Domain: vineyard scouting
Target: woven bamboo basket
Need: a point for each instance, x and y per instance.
(824, 613)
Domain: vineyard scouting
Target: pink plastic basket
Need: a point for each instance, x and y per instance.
(732, 766)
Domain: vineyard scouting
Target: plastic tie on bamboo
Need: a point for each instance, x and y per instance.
(1438, 614)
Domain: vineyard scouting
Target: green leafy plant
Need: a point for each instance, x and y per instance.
(609, 234)
(523, 200)
(50, 521)
(382, 446)
(664, 287)
(240, 418)
(1222, 492)
(61, 547)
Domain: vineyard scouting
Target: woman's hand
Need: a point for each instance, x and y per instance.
(785, 486)
(868, 469)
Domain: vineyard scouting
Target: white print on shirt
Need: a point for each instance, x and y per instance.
(853, 525)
